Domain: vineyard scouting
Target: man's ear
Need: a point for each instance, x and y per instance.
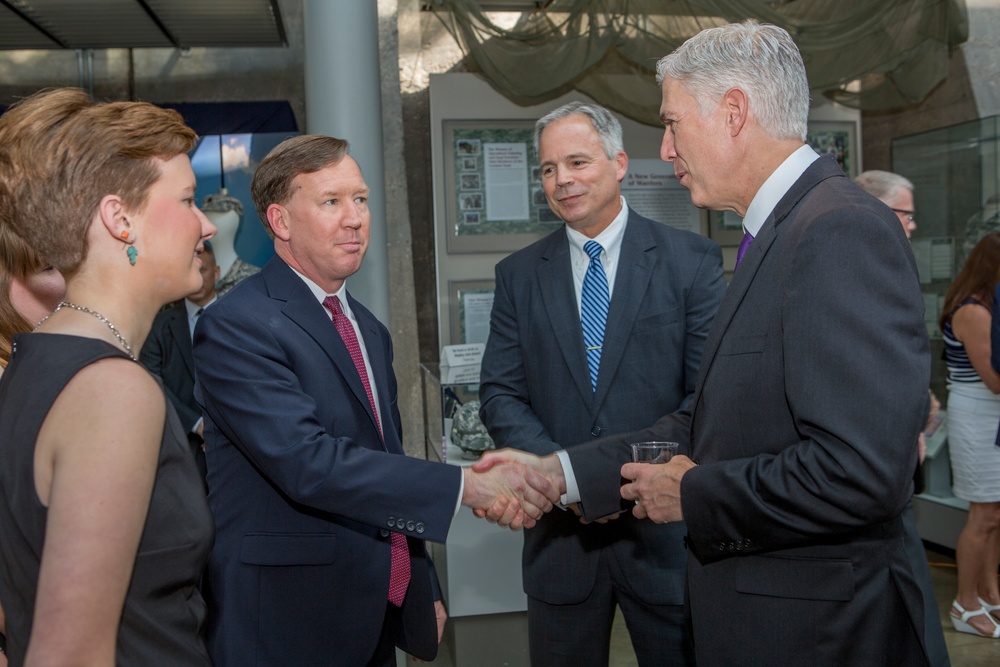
(277, 219)
(737, 106)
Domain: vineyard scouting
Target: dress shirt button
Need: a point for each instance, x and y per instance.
(410, 525)
(596, 431)
(420, 527)
(391, 522)
(383, 532)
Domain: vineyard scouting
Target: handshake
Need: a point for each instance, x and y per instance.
(513, 488)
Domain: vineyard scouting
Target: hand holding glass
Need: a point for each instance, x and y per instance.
(653, 452)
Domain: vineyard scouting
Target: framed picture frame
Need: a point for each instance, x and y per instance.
(469, 305)
(726, 228)
(839, 139)
(493, 201)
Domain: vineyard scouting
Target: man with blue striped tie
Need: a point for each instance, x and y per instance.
(597, 329)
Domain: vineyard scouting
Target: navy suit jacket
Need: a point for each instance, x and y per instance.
(811, 393)
(536, 392)
(300, 485)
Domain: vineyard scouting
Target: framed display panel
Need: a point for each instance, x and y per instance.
(839, 139)
(726, 227)
(469, 306)
(493, 194)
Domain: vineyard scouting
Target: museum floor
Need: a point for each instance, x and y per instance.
(965, 650)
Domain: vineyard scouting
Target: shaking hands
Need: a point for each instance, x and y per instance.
(513, 488)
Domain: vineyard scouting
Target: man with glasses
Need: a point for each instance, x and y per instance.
(894, 191)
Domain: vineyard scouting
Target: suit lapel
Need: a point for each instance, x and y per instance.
(370, 332)
(177, 328)
(820, 170)
(555, 279)
(635, 269)
(302, 308)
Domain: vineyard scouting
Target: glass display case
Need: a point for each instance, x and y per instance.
(479, 567)
(955, 172)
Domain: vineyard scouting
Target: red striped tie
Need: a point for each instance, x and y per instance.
(399, 574)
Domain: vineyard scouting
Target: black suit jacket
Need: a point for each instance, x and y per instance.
(811, 393)
(301, 488)
(167, 352)
(536, 392)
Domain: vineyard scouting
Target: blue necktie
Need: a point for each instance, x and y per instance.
(594, 305)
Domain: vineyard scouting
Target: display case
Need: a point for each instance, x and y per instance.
(480, 565)
(955, 172)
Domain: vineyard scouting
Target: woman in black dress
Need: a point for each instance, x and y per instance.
(105, 526)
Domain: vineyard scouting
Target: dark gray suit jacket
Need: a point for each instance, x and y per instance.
(167, 353)
(811, 393)
(536, 392)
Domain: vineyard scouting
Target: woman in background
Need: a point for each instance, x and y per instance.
(105, 525)
(973, 414)
(29, 289)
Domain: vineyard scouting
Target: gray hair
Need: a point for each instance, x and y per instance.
(758, 58)
(607, 126)
(882, 184)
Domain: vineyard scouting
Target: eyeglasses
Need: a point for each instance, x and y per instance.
(909, 214)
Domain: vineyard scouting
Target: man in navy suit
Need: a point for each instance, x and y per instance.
(319, 556)
(537, 392)
(797, 445)
(167, 352)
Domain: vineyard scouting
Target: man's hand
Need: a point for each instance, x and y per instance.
(510, 490)
(656, 488)
(502, 511)
(575, 507)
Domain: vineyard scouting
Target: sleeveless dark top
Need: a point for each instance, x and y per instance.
(163, 619)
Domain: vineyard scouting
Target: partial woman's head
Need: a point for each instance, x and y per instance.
(29, 289)
(760, 59)
(60, 154)
(607, 126)
(977, 278)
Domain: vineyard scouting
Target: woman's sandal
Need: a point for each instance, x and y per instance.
(960, 619)
(993, 609)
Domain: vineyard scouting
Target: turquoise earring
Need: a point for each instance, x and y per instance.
(130, 250)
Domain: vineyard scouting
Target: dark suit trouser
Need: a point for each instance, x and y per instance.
(579, 635)
(937, 651)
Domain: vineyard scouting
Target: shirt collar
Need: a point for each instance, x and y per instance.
(610, 239)
(776, 186)
(192, 308)
(320, 294)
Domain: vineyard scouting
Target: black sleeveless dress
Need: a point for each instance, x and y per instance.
(163, 619)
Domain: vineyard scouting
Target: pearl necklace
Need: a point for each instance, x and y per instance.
(106, 321)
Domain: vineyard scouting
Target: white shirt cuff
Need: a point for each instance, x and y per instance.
(572, 494)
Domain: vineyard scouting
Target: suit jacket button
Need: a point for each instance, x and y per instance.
(596, 431)
(383, 532)
(721, 546)
(420, 527)
(391, 522)
(410, 525)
